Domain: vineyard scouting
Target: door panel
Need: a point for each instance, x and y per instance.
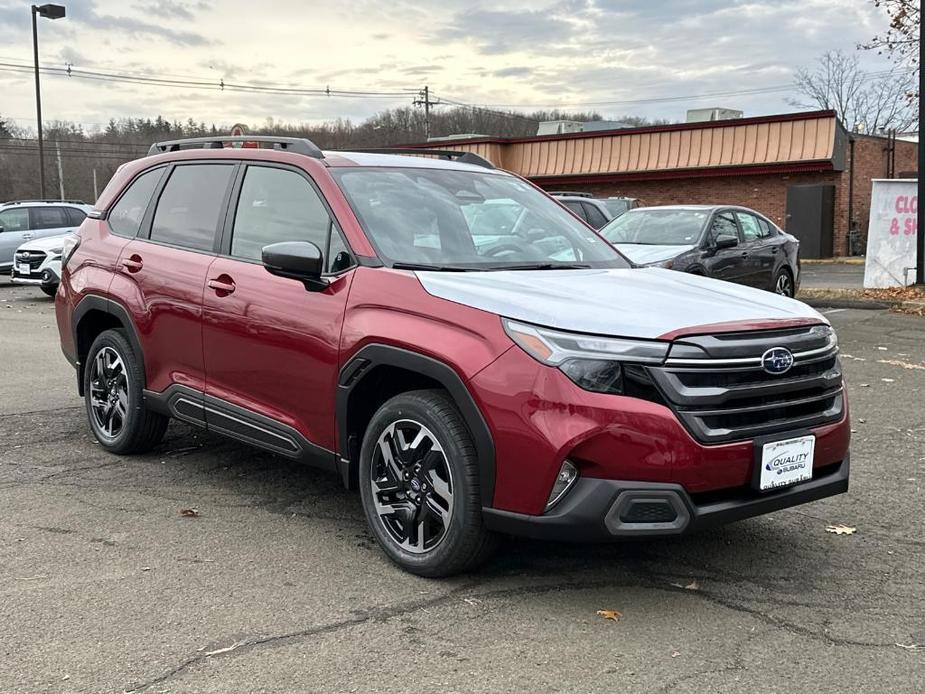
(165, 285)
(730, 264)
(15, 223)
(271, 346)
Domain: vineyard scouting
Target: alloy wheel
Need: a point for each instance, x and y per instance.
(412, 486)
(108, 392)
(784, 286)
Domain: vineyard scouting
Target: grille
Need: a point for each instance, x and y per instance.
(34, 258)
(721, 392)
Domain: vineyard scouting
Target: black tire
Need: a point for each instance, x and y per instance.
(50, 289)
(783, 283)
(140, 429)
(465, 542)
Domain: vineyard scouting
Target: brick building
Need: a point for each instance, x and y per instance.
(803, 170)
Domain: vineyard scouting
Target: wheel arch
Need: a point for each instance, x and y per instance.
(94, 314)
(377, 368)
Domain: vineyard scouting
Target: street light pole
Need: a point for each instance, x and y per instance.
(50, 12)
(38, 98)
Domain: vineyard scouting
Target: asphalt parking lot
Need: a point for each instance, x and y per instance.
(277, 586)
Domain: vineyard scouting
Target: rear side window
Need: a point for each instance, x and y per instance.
(576, 208)
(595, 217)
(75, 217)
(16, 219)
(277, 205)
(48, 217)
(190, 206)
(126, 215)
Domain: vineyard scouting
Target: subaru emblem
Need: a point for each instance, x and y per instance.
(777, 360)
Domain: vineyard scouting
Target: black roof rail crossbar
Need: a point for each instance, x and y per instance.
(569, 193)
(463, 157)
(297, 145)
(67, 202)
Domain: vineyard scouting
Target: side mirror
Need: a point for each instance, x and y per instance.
(297, 260)
(725, 242)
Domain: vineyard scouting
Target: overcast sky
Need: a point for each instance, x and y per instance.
(568, 53)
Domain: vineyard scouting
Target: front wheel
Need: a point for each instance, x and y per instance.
(783, 283)
(419, 483)
(113, 383)
(50, 289)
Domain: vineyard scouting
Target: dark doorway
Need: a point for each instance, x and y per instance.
(811, 218)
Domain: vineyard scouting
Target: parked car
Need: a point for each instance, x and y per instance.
(728, 243)
(38, 263)
(25, 220)
(335, 308)
(595, 211)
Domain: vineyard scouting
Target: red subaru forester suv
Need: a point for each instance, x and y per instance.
(450, 340)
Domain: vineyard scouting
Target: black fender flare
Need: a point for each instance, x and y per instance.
(373, 355)
(94, 302)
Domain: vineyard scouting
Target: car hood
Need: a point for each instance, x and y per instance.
(643, 302)
(643, 254)
(46, 243)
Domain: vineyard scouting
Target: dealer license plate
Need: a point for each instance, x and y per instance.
(786, 462)
(23, 269)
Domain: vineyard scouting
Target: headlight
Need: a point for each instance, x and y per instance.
(667, 264)
(592, 362)
(68, 246)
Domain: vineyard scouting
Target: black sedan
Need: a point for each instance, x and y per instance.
(728, 243)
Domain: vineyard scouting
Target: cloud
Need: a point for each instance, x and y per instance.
(86, 13)
(521, 71)
(505, 31)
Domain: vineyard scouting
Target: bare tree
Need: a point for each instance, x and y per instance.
(871, 103)
(901, 41)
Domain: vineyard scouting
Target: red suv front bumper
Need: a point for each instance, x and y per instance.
(626, 449)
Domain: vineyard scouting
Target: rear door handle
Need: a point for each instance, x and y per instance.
(222, 285)
(133, 263)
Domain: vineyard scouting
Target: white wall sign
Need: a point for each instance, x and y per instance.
(891, 234)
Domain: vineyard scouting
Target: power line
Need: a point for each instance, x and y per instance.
(209, 84)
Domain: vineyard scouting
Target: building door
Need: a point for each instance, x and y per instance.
(811, 218)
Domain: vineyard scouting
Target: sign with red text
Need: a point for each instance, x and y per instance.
(891, 234)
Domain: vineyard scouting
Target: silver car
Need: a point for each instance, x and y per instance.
(24, 220)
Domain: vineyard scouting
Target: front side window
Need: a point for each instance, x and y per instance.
(751, 230)
(126, 215)
(277, 205)
(190, 206)
(462, 220)
(48, 217)
(617, 206)
(724, 225)
(657, 227)
(16, 219)
(594, 216)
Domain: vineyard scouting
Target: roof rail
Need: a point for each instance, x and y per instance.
(462, 157)
(569, 193)
(297, 145)
(19, 202)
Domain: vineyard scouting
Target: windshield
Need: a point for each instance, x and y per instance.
(656, 227)
(460, 220)
(617, 206)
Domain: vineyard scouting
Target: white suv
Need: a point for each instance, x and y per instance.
(31, 222)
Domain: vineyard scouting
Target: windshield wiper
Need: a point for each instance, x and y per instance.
(542, 266)
(435, 268)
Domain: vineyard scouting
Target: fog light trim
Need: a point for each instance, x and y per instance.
(565, 480)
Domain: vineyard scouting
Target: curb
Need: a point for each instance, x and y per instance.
(843, 260)
(851, 303)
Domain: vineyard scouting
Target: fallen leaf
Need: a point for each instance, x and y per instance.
(471, 601)
(864, 385)
(675, 654)
(189, 512)
(888, 380)
(610, 614)
(841, 529)
(882, 349)
(693, 585)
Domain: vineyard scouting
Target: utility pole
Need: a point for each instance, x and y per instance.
(60, 172)
(920, 236)
(96, 192)
(426, 103)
